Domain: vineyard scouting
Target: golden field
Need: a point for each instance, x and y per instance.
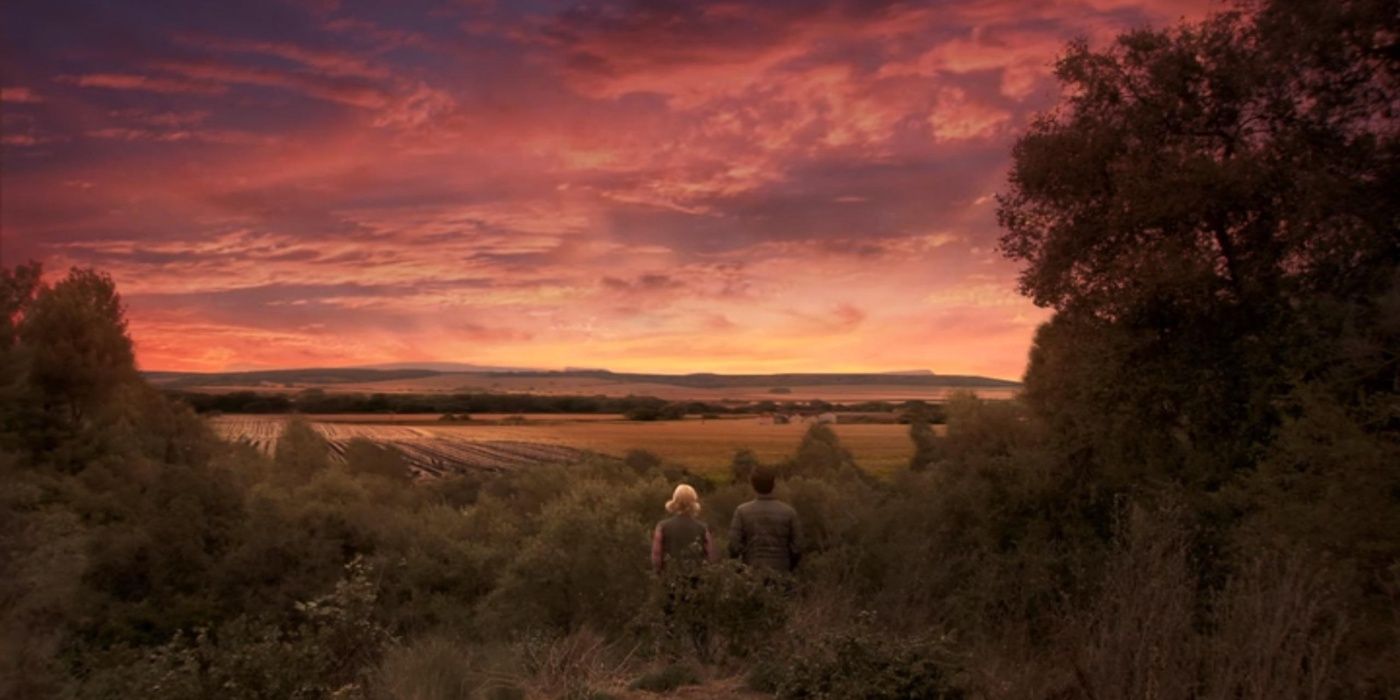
(704, 446)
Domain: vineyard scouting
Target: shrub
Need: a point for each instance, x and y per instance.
(867, 664)
(926, 443)
(575, 665)
(363, 456)
(432, 667)
(764, 676)
(820, 454)
(666, 679)
(743, 465)
(328, 646)
(726, 608)
(301, 452)
(642, 461)
(585, 567)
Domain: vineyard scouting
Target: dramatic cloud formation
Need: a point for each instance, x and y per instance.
(645, 185)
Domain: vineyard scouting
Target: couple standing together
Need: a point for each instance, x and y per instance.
(765, 533)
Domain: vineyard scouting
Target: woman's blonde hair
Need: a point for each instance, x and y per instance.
(684, 500)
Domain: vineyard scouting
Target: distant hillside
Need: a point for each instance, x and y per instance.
(446, 367)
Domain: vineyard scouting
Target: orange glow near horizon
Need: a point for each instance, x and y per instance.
(647, 186)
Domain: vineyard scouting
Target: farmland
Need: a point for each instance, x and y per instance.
(428, 452)
(704, 446)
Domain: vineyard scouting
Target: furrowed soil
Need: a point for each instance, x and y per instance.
(704, 446)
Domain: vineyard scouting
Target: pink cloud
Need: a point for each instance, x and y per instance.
(148, 83)
(19, 95)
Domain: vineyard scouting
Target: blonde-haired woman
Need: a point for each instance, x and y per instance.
(682, 540)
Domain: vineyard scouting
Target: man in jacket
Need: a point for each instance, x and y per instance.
(765, 532)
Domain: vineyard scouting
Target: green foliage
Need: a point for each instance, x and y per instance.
(867, 663)
(666, 679)
(324, 651)
(587, 563)
(820, 453)
(1209, 214)
(642, 461)
(432, 667)
(301, 452)
(18, 288)
(926, 443)
(724, 609)
(65, 359)
(743, 465)
(367, 457)
(81, 354)
(656, 411)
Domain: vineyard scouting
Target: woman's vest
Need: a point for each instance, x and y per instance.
(683, 539)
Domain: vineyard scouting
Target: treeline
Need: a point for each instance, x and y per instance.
(316, 401)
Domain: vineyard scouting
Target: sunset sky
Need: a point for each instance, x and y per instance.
(642, 186)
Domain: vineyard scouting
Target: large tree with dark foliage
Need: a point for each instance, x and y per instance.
(1212, 212)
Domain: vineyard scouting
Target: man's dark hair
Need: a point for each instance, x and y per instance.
(762, 481)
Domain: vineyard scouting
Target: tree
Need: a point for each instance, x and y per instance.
(301, 452)
(820, 453)
(1209, 211)
(926, 450)
(743, 465)
(18, 288)
(80, 352)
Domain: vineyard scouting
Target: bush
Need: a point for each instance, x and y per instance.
(867, 664)
(727, 609)
(432, 667)
(301, 452)
(820, 454)
(366, 457)
(327, 646)
(587, 564)
(642, 461)
(743, 465)
(666, 679)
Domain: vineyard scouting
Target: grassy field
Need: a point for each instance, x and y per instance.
(705, 446)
